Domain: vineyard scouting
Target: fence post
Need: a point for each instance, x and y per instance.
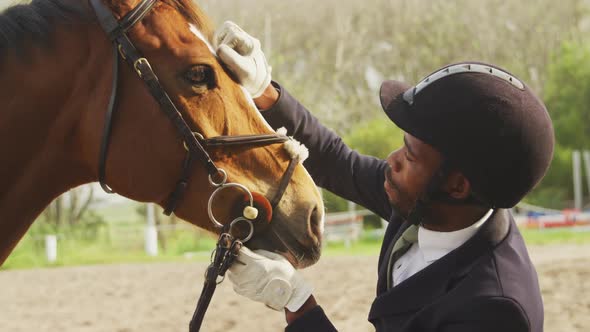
(577, 163)
(352, 224)
(151, 232)
(51, 248)
(587, 164)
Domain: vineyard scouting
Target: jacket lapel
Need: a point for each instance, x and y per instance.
(388, 243)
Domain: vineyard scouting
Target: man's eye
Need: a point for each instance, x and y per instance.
(408, 157)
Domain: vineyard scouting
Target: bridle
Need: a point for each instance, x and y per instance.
(228, 246)
(193, 142)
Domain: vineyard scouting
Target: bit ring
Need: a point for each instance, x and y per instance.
(250, 234)
(220, 188)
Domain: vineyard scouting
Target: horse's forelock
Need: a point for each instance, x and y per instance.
(194, 15)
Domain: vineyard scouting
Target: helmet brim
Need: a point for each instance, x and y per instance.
(393, 103)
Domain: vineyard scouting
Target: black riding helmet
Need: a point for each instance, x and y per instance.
(484, 121)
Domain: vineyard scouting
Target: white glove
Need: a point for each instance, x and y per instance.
(269, 278)
(242, 54)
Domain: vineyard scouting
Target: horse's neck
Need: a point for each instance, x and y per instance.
(43, 100)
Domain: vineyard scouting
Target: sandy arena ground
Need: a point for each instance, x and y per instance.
(161, 297)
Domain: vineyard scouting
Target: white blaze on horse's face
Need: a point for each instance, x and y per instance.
(247, 95)
(200, 35)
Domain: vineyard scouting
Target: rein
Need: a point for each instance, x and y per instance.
(228, 245)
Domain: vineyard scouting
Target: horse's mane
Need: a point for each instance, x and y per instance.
(34, 22)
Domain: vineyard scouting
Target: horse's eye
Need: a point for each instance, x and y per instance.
(200, 75)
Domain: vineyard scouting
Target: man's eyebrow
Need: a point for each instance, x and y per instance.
(409, 147)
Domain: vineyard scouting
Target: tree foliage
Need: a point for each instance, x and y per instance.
(377, 138)
(72, 210)
(567, 97)
(568, 102)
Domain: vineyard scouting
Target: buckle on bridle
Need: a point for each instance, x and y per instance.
(141, 62)
(121, 52)
(198, 136)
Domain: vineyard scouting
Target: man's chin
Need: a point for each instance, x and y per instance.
(398, 210)
(393, 196)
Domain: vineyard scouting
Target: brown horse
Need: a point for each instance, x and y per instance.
(56, 79)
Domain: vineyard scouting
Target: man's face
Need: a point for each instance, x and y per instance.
(410, 169)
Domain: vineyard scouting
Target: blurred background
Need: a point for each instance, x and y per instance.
(332, 55)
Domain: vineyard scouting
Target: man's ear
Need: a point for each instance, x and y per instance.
(457, 185)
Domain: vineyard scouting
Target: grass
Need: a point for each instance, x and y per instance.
(191, 246)
(556, 236)
(88, 254)
(372, 246)
(71, 251)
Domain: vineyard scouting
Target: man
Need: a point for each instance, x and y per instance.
(477, 140)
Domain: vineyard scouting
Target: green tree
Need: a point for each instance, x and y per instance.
(555, 190)
(72, 213)
(567, 97)
(377, 137)
(568, 102)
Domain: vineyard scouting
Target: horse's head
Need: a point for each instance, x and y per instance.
(146, 152)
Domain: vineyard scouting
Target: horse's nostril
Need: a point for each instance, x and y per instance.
(316, 223)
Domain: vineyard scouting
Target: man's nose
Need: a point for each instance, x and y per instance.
(394, 161)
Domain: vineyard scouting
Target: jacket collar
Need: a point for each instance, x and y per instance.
(435, 245)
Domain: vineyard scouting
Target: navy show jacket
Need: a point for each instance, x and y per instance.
(487, 284)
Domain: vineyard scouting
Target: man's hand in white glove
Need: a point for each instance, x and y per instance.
(269, 278)
(242, 54)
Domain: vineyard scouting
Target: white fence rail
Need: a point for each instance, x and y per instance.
(344, 227)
